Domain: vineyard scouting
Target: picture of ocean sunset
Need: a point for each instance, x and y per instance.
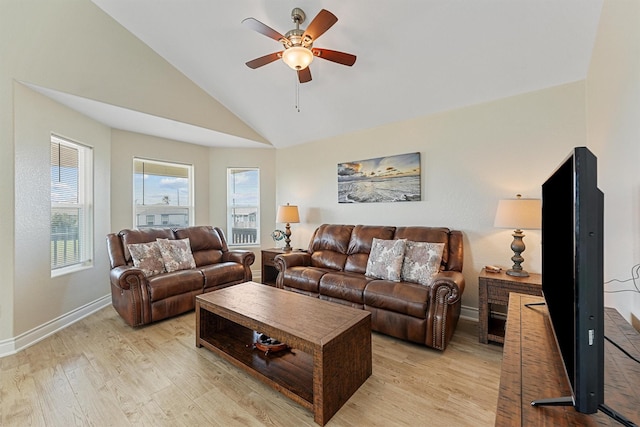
(383, 179)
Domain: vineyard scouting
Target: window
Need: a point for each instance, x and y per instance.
(162, 193)
(71, 205)
(243, 206)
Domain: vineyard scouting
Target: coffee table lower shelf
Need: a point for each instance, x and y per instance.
(289, 372)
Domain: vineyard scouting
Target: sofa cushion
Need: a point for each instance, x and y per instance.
(207, 245)
(175, 283)
(429, 234)
(344, 286)
(147, 257)
(421, 261)
(222, 273)
(329, 245)
(176, 254)
(400, 297)
(385, 259)
(304, 278)
(145, 235)
(360, 245)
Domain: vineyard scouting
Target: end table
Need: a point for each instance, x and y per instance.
(494, 289)
(269, 272)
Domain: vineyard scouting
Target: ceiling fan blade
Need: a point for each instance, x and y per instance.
(264, 60)
(304, 75)
(335, 56)
(321, 23)
(258, 26)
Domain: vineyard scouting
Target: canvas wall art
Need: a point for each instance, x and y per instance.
(383, 179)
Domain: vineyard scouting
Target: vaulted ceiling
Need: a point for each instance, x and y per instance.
(414, 57)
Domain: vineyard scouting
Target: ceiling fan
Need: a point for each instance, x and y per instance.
(298, 50)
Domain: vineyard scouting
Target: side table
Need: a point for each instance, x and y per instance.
(494, 289)
(269, 271)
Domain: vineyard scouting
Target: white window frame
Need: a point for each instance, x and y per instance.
(84, 205)
(141, 212)
(232, 205)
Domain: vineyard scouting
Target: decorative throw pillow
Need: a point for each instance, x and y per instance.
(176, 254)
(385, 259)
(421, 262)
(147, 257)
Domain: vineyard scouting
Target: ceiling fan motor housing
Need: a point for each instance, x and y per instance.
(294, 38)
(298, 16)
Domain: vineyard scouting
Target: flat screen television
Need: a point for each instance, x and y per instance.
(572, 275)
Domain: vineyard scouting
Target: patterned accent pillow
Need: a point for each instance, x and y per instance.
(385, 259)
(147, 257)
(176, 254)
(421, 262)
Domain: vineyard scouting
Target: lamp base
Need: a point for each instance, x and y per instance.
(517, 246)
(517, 273)
(287, 237)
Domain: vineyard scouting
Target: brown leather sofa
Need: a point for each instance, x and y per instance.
(334, 266)
(141, 300)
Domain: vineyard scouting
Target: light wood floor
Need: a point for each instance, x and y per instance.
(100, 372)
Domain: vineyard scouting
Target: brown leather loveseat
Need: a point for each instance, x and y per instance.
(142, 299)
(334, 266)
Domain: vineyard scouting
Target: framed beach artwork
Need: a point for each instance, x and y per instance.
(383, 179)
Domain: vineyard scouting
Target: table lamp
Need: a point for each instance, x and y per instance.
(287, 214)
(520, 214)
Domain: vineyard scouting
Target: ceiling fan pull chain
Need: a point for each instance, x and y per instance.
(298, 95)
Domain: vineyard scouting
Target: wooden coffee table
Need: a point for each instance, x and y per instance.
(330, 354)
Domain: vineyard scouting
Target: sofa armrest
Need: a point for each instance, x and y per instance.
(444, 307)
(126, 277)
(292, 259)
(243, 257)
(130, 294)
(246, 258)
(288, 260)
(452, 283)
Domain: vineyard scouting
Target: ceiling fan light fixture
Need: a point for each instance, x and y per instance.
(297, 57)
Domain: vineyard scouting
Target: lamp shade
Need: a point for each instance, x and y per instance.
(297, 57)
(519, 214)
(288, 213)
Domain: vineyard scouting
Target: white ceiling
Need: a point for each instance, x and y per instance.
(415, 57)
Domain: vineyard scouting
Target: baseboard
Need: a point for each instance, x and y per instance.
(635, 322)
(22, 341)
(469, 313)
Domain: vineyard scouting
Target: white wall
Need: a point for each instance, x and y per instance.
(40, 297)
(613, 118)
(471, 158)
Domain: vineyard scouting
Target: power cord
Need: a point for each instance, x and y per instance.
(635, 275)
(630, 356)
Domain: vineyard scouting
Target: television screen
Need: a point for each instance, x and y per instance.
(572, 273)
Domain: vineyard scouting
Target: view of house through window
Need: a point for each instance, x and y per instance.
(71, 205)
(243, 206)
(162, 193)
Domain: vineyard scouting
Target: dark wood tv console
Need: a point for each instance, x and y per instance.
(532, 369)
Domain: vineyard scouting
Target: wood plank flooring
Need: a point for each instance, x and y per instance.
(101, 372)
